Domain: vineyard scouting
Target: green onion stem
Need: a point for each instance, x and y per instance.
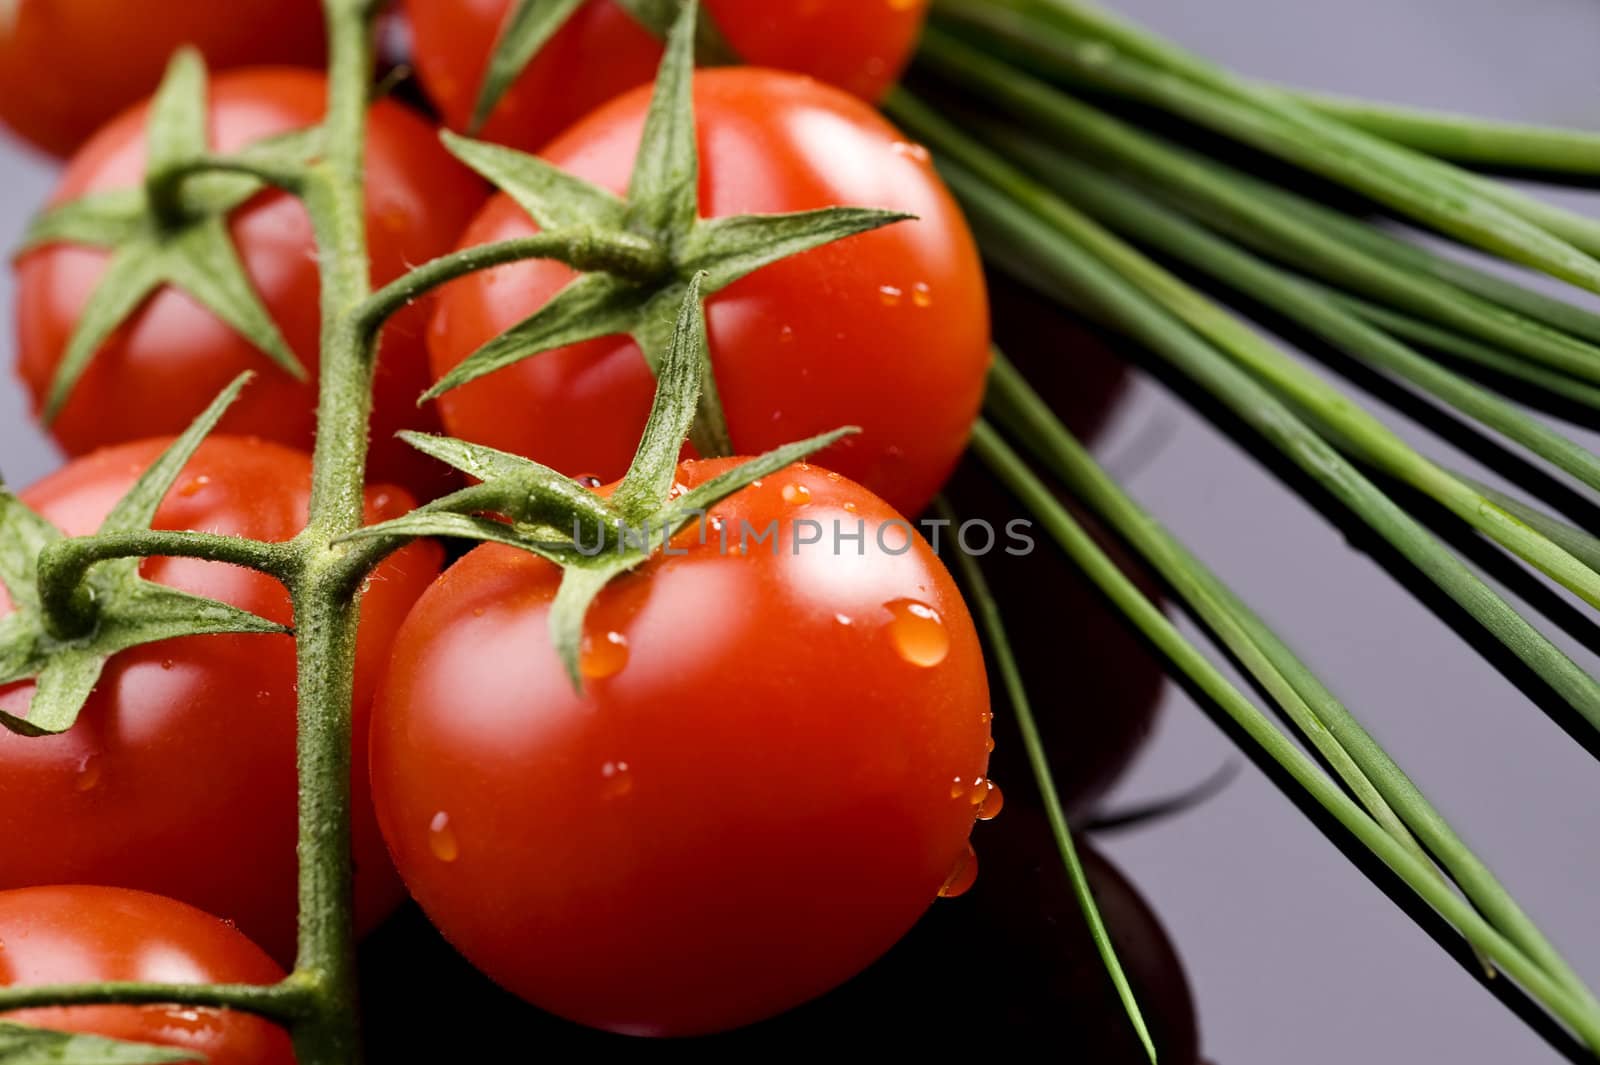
(1188, 660)
(1331, 728)
(1030, 223)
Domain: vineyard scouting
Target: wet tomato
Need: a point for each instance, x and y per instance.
(773, 772)
(66, 66)
(887, 330)
(68, 935)
(179, 778)
(860, 46)
(172, 357)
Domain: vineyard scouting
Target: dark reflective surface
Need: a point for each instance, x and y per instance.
(1293, 954)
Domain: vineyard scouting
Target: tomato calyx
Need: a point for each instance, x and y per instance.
(530, 24)
(68, 619)
(662, 208)
(173, 229)
(522, 504)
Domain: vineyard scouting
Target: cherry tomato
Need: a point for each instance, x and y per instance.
(887, 330)
(59, 935)
(860, 46)
(179, 778)
(172, 358)
(66, 66)
(769, 778)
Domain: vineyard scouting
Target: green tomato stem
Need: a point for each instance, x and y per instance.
(284, 1002)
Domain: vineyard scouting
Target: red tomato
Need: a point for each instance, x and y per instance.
(887, 330)
(756, 797)
(859, 45)
(179, 778)
(173, 357)
(58, 935)
(66, 66)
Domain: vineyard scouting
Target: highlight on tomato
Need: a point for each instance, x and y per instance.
(179, 776)
(772, 771)
(67, 66)
(172, 355)
(76, 935)
(860, 46)
(886, 330)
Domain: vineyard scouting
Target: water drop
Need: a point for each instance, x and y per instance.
(992, 802)
(796, 495)
(88, 773)
(915, 152)
(442, 838)
(988, 745)
(922, 295)
(844, 619)
(603, 657)
(957, 788)
(193, 486)
(617, 780)
(890, 296)
(918, 632)
(167, 663)
(850, 508)
(962, 876)
(588, 480)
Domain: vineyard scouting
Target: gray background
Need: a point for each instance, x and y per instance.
(1295, 958)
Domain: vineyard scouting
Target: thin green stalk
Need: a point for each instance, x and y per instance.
(1468, 350)
(1022, 219)
(326, 609)
(284, 1002)
(1240, 211)
(1378, 444)
(1465, 138)
(1279, 670)
(1148, 619)
(1579, 543)
(1080, 43)
(1169, 232)
(1376, 242)
(991, 621)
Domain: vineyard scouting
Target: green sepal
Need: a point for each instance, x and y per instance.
(163, 234)
(531, 24)
(523, 504)
(552, 197)
(663, 208)
(21, 1045)
(664, 189)
(129, 610)
(528, 28)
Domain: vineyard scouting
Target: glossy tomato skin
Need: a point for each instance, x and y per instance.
(67, 66)
(860, 46)
(755, 798)
(179, 778)
(59, 935)
(887, 330)
(173, 357)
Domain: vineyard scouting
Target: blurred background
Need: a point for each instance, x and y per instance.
(1290, 951)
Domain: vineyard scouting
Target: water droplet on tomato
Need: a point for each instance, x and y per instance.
(918, 632)
(890, 296)
(922, 295)
(88, 773)
(588, 480)
(844, 619)
(442, 838)
(962, 875)
(850, 508)
(193, 486)
(796, 495)
(988, 745)
(957, 788)
(617, 780)
(915, 152)
(167, 663)
(603, 656)
(992, 802)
